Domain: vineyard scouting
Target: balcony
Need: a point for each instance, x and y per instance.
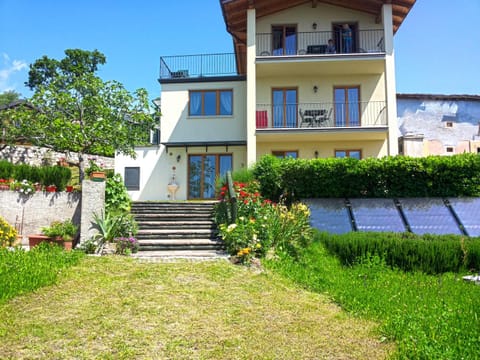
(319, 116)
(308, 44)
(186, 67)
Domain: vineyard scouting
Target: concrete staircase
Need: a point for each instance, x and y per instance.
(177, 230)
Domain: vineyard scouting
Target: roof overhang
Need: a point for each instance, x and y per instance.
(235, 15)
(206, 144)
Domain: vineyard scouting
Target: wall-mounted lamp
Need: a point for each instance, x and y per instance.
(179, 157)
(316, 154)
(314, 26)
(315, 88)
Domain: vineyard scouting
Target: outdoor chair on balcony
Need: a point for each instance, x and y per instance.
(323, 118)
(306, 117)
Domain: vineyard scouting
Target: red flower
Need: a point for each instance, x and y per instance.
(245, 201)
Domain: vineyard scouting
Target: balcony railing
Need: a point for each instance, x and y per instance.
(321, 115)
(316, 43)
(197, 66)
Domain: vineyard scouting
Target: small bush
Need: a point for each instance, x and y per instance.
(126, 245)
(116, 195)
(6, 170)
(431, 254)
(56, 175)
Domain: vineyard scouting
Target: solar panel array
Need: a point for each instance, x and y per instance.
(418, 215)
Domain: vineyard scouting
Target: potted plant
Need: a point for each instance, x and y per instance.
(95, 172)
(61, 233)
(51, 188)
(69, 188)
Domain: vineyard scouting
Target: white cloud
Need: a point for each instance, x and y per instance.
(8, 72)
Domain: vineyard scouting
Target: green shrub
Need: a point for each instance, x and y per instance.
(116, 195)
(431, 254)
(56, 175)
(6, 170)
(397, 176)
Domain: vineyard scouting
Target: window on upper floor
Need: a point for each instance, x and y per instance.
(284, 40)
(210, 102)
(356, 154)
(285, 154)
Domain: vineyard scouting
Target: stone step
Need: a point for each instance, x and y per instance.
(173, 217)
(180, 254)
(181, 244)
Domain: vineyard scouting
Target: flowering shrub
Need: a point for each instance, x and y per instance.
(24, 187)
(261, 225)
(8, 234)
(126, 245)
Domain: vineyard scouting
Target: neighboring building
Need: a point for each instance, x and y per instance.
(287, 91)
(438, 124)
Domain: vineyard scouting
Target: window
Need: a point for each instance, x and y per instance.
(210, 102)
(284, 40)
(449, 124)
(132, 178)
(356, 154)
(285, 154)
(155, 137)
(449, 149)
(347, 106)
(284, 107)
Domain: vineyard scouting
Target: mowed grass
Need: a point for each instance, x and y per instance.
(120, 308)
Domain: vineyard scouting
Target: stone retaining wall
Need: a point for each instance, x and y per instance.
(28, 214)
(34, 155)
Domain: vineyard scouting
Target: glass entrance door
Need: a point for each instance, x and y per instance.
(203, 170)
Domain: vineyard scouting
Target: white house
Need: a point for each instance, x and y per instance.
(307, 79)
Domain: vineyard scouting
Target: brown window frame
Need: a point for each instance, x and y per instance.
(217, 101)
(283, 153)
(284, 90)
(347, 152)
(347, 113)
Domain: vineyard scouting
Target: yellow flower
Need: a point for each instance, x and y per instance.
(258, 246)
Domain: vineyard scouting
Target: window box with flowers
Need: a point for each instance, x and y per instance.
(95, 172)
(4, 184)
(24, 187)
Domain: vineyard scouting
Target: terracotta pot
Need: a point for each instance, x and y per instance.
(51, 188)
(38, 187)
(98, 176)
(67, 245)
(69, 188)
(35, 239)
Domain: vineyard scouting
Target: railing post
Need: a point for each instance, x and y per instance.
(232, 198)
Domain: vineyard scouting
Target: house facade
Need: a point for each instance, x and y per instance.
(308, 79)
(438, 124)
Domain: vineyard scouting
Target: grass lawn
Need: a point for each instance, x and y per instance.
(120, 308)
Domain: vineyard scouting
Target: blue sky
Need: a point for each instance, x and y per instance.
(437, 47)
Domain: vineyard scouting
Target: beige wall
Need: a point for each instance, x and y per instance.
(326, 149)
(323, 15)
(372, 87)
(177, 125)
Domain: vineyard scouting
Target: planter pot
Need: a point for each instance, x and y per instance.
(38, 187)
(51, 188)
(98, 176)
(35, 239)
(67, 245)
(4, 187)
(69, 188)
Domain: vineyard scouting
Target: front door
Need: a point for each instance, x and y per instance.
(203, 170)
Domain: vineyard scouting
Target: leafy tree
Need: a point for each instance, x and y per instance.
(8, 97)
(76, 111)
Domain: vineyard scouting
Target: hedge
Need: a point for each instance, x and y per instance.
(388, 177)
(431, 254)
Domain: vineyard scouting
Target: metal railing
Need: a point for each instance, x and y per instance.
(316, 43)
(194, 66)
(322, 115)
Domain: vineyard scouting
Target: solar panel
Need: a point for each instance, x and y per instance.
(377, 215)
(329, 215)
(468, 211)
(429, 216)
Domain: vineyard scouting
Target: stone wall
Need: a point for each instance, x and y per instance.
(28, 214)
(34, 155)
